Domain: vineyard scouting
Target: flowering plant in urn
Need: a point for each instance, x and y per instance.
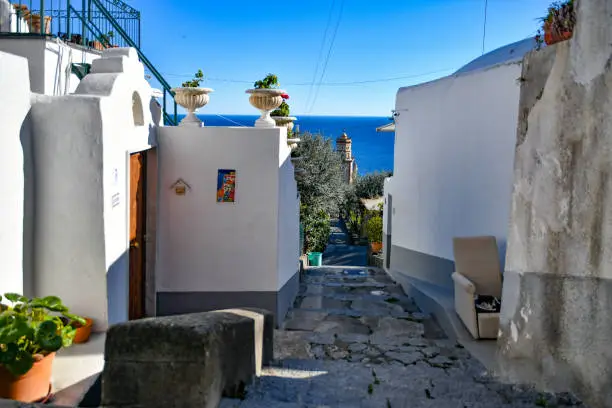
(266, 97)
(281, 116)
(191, 97)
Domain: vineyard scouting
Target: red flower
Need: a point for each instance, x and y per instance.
(285, 96)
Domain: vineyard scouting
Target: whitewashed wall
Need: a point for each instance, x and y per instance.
(453, 160)
(50, 72)
(14, 106)
(81, 145)
(214, 255)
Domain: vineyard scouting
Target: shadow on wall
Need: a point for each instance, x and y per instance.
(118, 290)
(25, 135)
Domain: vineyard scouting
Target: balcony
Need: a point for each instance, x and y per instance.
(87, 23)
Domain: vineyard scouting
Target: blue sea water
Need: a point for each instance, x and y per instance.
(372, 150)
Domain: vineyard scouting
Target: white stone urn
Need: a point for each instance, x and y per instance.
(266, 100)
(285, 121)
(191, 99)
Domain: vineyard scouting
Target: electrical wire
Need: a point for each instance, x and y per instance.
(484, 27)
(314, 77)
(329, 52)
(367, 81)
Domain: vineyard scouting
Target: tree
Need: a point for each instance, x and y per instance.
(321, 186)
(371, 185)
(321, 183)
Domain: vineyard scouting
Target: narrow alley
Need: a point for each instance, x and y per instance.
(354, 339)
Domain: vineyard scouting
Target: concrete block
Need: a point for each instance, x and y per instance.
(184, 360)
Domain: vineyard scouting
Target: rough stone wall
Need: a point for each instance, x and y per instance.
(556, 320)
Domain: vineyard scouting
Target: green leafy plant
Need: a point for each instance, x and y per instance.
(354, 222)
(106, 38)
(32, 328)
(196, 81)
(282, 110)
(269, 82)
(374, 229)
(317, 228)
(371, 185)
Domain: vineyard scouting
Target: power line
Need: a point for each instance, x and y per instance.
(314, 77)
(331, 47)
(367, 81)
(484, 27)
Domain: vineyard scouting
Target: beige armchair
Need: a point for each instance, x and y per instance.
(477, 272)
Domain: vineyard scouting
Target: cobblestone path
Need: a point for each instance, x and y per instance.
(354, 339)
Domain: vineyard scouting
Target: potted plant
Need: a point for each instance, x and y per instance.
(82, 330)
(31, 332)
(559, 23)
(374, 231)
(266, 97)
(281, 117)
(191, 97)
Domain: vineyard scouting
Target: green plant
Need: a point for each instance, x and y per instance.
(317, 228)
(371, 185)
(374, 229)
(269, 82)
(321, 181)
(106, 38)
(282, 110)
(31, 329)
(195, 82)
(354, 222)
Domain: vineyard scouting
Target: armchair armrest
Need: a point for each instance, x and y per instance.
(464, 283)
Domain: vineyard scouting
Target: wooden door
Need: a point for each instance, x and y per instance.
(137, 233)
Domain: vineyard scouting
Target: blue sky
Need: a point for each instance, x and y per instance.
(237, 42)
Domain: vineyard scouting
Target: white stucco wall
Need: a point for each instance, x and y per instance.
(50, 72)
(208, 246)
(454, 151)
(59, 56)
(81, 148)
(14, 106)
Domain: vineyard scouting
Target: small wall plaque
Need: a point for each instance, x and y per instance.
(180, 187)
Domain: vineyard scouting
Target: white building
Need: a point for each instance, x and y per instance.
(454, 149)
(118, 215)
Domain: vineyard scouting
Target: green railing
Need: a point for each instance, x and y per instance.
(96, 24)
(166, 88)
(64, 19)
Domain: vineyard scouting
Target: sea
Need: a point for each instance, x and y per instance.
(372, 150)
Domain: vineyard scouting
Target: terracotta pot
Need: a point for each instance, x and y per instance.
(376, 247)
(83, 332)
(96, 45)
(32, 386)
(551, 38)
(33, 21)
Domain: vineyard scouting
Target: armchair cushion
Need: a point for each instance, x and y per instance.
(463, 282)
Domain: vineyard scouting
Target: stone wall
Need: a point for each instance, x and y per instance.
(556, 320)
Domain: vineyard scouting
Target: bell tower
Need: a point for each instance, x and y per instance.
(344, 147)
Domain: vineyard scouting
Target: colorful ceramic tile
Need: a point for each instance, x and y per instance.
(226, 186)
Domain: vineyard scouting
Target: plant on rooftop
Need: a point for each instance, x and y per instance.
(559, 23)
(31, 331)
(269, 82)
(196, 81)
(266, 97)
(282, 119)
(191, 97)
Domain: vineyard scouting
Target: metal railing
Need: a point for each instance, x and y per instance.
(64, 19)
(97, 24)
